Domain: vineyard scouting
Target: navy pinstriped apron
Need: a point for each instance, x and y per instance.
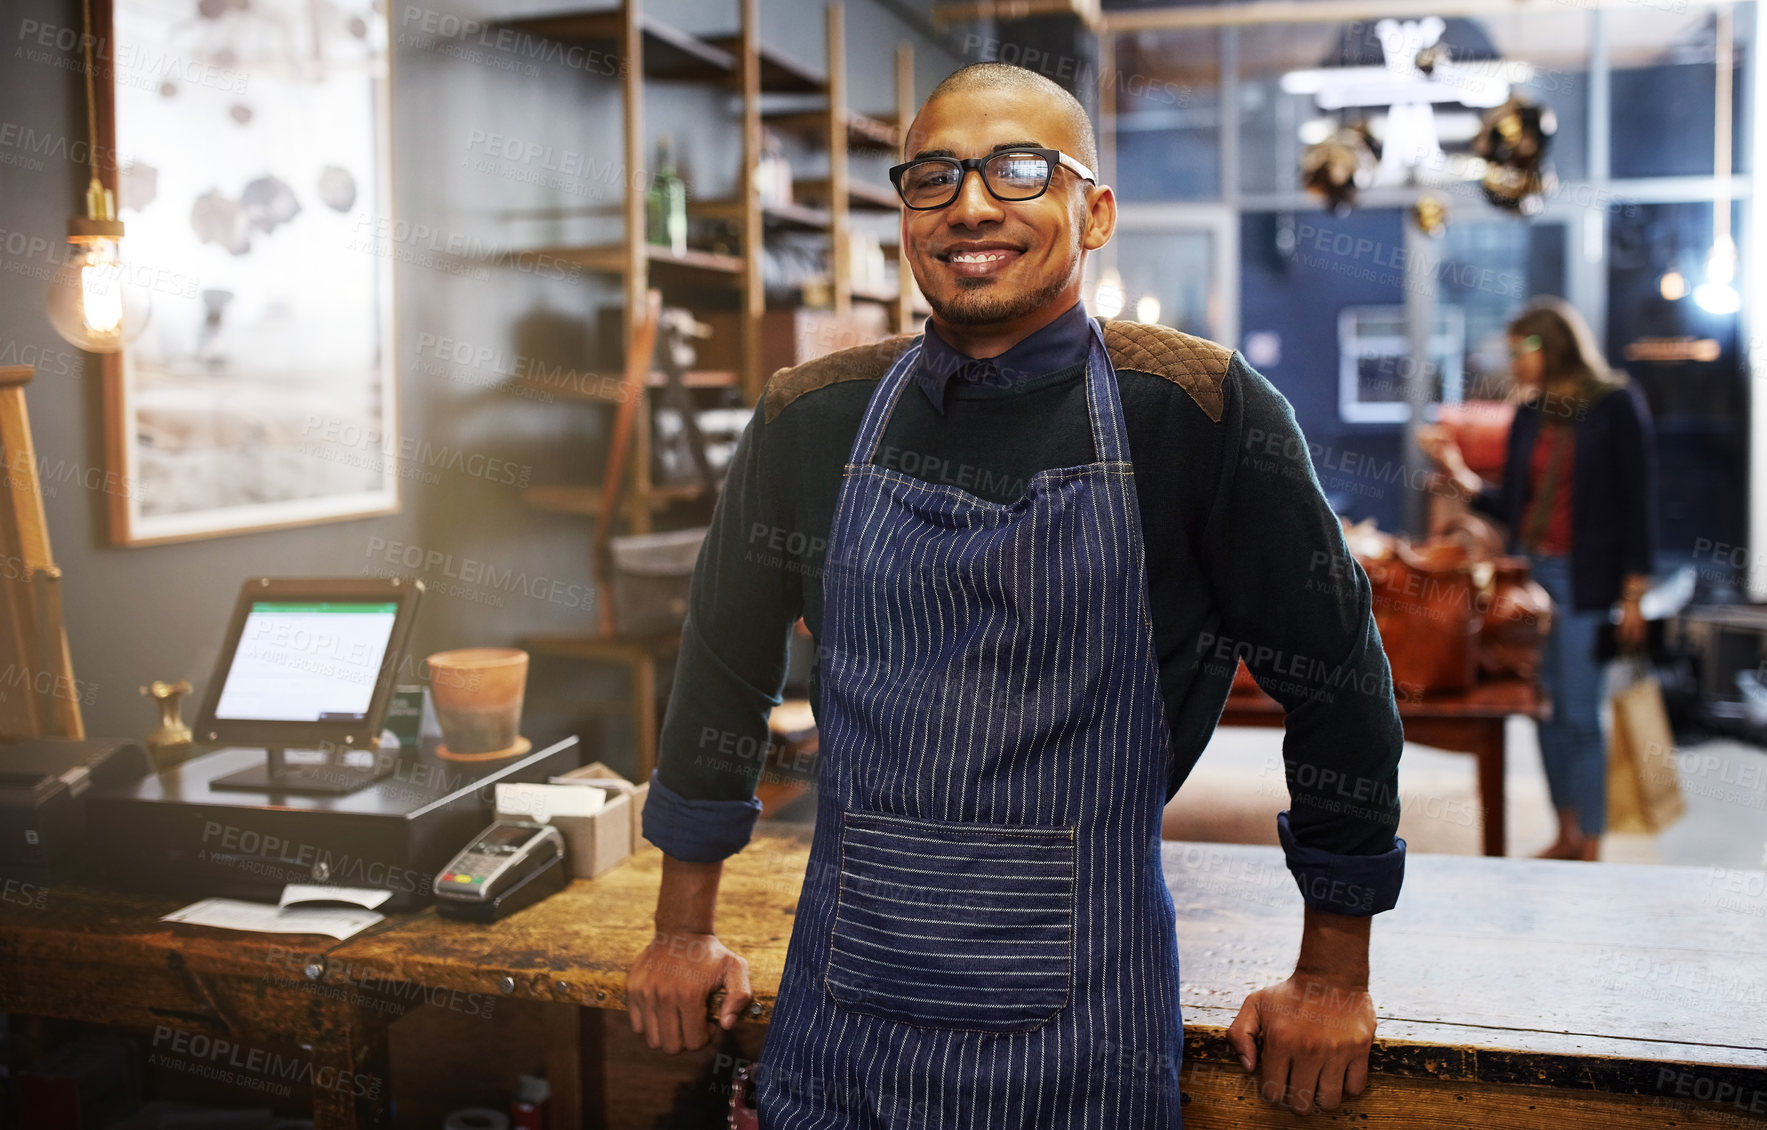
(985, 938)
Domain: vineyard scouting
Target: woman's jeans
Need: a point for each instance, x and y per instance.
(1571, 744)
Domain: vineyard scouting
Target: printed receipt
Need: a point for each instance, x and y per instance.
(262, 918)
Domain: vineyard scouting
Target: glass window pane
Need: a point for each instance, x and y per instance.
(1488, 271)
(1271, 119)
(1166, 278)
(1685, 351)
(1168, 121)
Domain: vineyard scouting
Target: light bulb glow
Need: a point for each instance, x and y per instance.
(1717, 298)
(1721, 263)
(101, 291)
(1147, 309)
(1108, 298)
(1673, 286)
(93, 302)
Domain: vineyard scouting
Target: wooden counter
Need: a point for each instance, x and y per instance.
(1511, 993)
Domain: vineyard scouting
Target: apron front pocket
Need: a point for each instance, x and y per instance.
(967, 926)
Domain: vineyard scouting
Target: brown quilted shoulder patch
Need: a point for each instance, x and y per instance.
(1195, 364)
(861, 362)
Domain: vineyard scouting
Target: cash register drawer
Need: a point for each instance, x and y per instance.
(173, 833)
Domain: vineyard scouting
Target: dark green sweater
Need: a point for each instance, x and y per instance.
(1245, 559)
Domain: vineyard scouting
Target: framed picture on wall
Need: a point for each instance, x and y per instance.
(251, 146)
(1375, 368)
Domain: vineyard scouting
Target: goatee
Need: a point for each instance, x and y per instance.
(977, 302)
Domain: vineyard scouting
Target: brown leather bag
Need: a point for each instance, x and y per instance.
(1517, 616)
(1425, 605)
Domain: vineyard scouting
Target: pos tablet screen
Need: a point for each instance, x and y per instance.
(309, 664)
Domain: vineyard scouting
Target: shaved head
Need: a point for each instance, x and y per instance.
(1008, 81)
(996, 270)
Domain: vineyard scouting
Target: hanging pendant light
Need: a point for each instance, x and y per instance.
(1716, 295)
(93, 301)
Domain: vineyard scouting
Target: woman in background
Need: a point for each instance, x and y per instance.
(1578, 498)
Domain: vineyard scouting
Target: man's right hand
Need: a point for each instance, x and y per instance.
(668, 986)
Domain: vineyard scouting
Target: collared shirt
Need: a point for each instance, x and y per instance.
(1061, 344)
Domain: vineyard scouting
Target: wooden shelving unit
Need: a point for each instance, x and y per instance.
(738, 61)
(793, 216)
(860, 197)
(689, 266)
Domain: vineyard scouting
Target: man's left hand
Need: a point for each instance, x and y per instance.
(1315, 1031)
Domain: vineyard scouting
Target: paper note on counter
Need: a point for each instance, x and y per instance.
(542, 802)
(365, 897)
(262, 918)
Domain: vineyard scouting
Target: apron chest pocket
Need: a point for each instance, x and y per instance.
(967, 926)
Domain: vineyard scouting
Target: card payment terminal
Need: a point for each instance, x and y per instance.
(510, 865)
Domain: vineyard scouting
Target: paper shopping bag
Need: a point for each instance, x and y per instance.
(1643, 784)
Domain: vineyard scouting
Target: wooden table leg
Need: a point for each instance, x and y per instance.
(1489, 746)
(352, 1081)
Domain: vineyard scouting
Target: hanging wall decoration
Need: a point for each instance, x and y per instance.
(252, 146)
(1337, 167)
(1513, 140)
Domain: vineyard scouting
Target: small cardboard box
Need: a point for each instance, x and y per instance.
(593, 841)
(635, 794)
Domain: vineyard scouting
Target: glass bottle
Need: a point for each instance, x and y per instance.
(665, 203)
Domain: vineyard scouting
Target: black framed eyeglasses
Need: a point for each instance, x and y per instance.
(1010, 175)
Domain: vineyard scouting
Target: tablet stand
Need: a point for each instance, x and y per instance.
(332, 777)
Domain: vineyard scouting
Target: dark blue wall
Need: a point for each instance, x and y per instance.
(1297, 293)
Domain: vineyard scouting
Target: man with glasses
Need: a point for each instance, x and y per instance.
(1031, 549)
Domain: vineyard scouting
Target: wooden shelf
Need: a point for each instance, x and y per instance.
(604, 388)
(669, 53)
(863, 131)
(793, 216)
(780, 74)
(584, 499)
(860, 196)
(611, 258)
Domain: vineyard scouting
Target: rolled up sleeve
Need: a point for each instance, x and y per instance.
(1297, 608)
(698, 831)
(1339, 883)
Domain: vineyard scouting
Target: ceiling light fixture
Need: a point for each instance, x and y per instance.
(93, 302)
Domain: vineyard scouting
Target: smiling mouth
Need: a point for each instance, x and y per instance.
(980, 262)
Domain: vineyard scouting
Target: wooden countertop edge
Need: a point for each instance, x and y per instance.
(1654, 1068)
